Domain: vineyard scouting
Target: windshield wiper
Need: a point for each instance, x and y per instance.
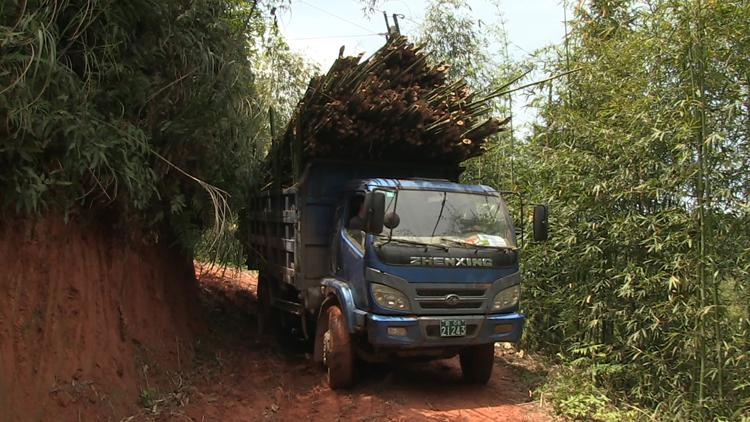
(413, 242)
(473, 245)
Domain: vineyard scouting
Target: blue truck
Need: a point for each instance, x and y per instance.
(378, 261)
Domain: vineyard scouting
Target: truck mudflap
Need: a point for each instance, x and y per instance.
(425, 331)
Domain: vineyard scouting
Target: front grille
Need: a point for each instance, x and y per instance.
(440, 304)
(444, 292)
(471, 298)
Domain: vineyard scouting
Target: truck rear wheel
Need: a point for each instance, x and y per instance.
(338, 353)
(477, 363)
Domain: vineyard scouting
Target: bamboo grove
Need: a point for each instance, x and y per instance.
(644, 158)
(135, 111)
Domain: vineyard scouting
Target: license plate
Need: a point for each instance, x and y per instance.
(452, 328)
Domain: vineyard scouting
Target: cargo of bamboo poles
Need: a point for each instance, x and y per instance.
(396, 105)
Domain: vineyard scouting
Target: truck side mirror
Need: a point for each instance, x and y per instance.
(541, 225)
(375, 209)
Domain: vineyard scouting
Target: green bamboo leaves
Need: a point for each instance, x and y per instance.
(102, 102)
(643, 158)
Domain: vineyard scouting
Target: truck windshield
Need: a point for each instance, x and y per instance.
(450, 219)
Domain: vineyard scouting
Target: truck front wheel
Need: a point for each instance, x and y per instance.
(338, 353)
(477, 362)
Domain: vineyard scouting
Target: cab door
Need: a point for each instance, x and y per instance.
(350, 259)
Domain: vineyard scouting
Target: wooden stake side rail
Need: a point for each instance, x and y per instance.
(272, 219)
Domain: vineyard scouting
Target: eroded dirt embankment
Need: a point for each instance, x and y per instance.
(96, 326)
(85, 315)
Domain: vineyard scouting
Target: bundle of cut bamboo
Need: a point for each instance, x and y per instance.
(395, 105)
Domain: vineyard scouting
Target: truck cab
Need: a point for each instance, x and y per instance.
(395, 267)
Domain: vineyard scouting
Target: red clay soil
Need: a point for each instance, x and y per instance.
(95, 326)
(253, 380)
(85, 316)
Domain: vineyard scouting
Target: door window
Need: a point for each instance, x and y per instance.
(354, 220)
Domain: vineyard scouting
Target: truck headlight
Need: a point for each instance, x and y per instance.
(507, 298)
(389, 298)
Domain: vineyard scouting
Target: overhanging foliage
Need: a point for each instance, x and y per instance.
(102, 101)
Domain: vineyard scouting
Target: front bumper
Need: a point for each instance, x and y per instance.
(424, 331)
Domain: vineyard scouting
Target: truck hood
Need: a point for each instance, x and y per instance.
(435, 265)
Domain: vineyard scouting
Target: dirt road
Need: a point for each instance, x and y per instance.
(242, 379)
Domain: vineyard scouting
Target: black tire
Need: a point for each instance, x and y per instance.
(477, 363)
(338, 353)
